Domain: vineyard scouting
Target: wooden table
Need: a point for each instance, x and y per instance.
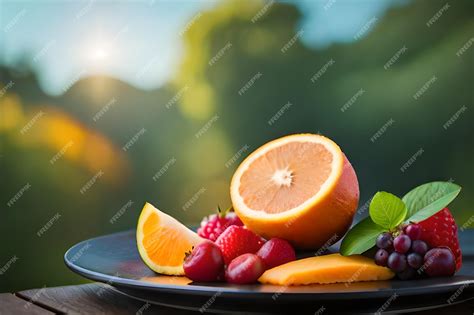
(98, 298)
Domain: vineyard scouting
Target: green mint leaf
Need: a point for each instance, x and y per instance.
(425, 200)
(361, 237)
(387, 210)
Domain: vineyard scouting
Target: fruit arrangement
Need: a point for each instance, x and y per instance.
(415, 236)
(301, 192)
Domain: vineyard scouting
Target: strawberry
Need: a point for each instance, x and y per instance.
(440, 230)
(237, 240)
(213, 225)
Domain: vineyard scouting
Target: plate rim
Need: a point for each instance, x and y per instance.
(231, 292)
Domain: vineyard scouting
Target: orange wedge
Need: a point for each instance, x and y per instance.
(163, 241)
(332, 268)
(300, 188)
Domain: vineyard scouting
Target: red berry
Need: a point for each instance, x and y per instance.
(213, 225)
(402, 243)
(237, 240)
(205, 263)
(381, 257)
(413, 231)
(440, 230)
(244, 269)
(439, 262)
(276, 252)
(397, 262)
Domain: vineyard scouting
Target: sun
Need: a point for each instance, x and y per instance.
(98, 53)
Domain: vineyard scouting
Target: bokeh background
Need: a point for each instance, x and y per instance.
(105, 105)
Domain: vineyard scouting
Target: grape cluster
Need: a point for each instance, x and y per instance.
(409, 257)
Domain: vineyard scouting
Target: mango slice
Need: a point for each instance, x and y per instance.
(331, 268)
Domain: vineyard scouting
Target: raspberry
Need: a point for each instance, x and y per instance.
(440, 230)
(215, 224)
(236, 241)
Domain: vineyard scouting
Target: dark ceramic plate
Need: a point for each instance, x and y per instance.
(114, 259)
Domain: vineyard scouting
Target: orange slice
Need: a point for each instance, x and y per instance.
(332, 268)
(162, 241)
(300, 187)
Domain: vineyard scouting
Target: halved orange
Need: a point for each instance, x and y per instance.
(163, 241)
(300, 188)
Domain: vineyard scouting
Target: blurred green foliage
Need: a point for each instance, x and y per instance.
(207, 99)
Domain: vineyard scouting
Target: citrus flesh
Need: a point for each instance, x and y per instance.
(163, 241)
(300, 188)
(332, 268)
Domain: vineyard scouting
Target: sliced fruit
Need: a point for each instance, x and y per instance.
(331, 268)
(300, 188)
(162, 241)
(441, 230)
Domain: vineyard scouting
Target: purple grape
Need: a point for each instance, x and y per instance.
(413, 231)
(415, 260)
(384, 240)
(419, 247)
(402, 243)
(439, 262)
(397, 262)
(381, 257)
(408, 273)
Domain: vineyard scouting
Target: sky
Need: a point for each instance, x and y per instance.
(140, 42)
